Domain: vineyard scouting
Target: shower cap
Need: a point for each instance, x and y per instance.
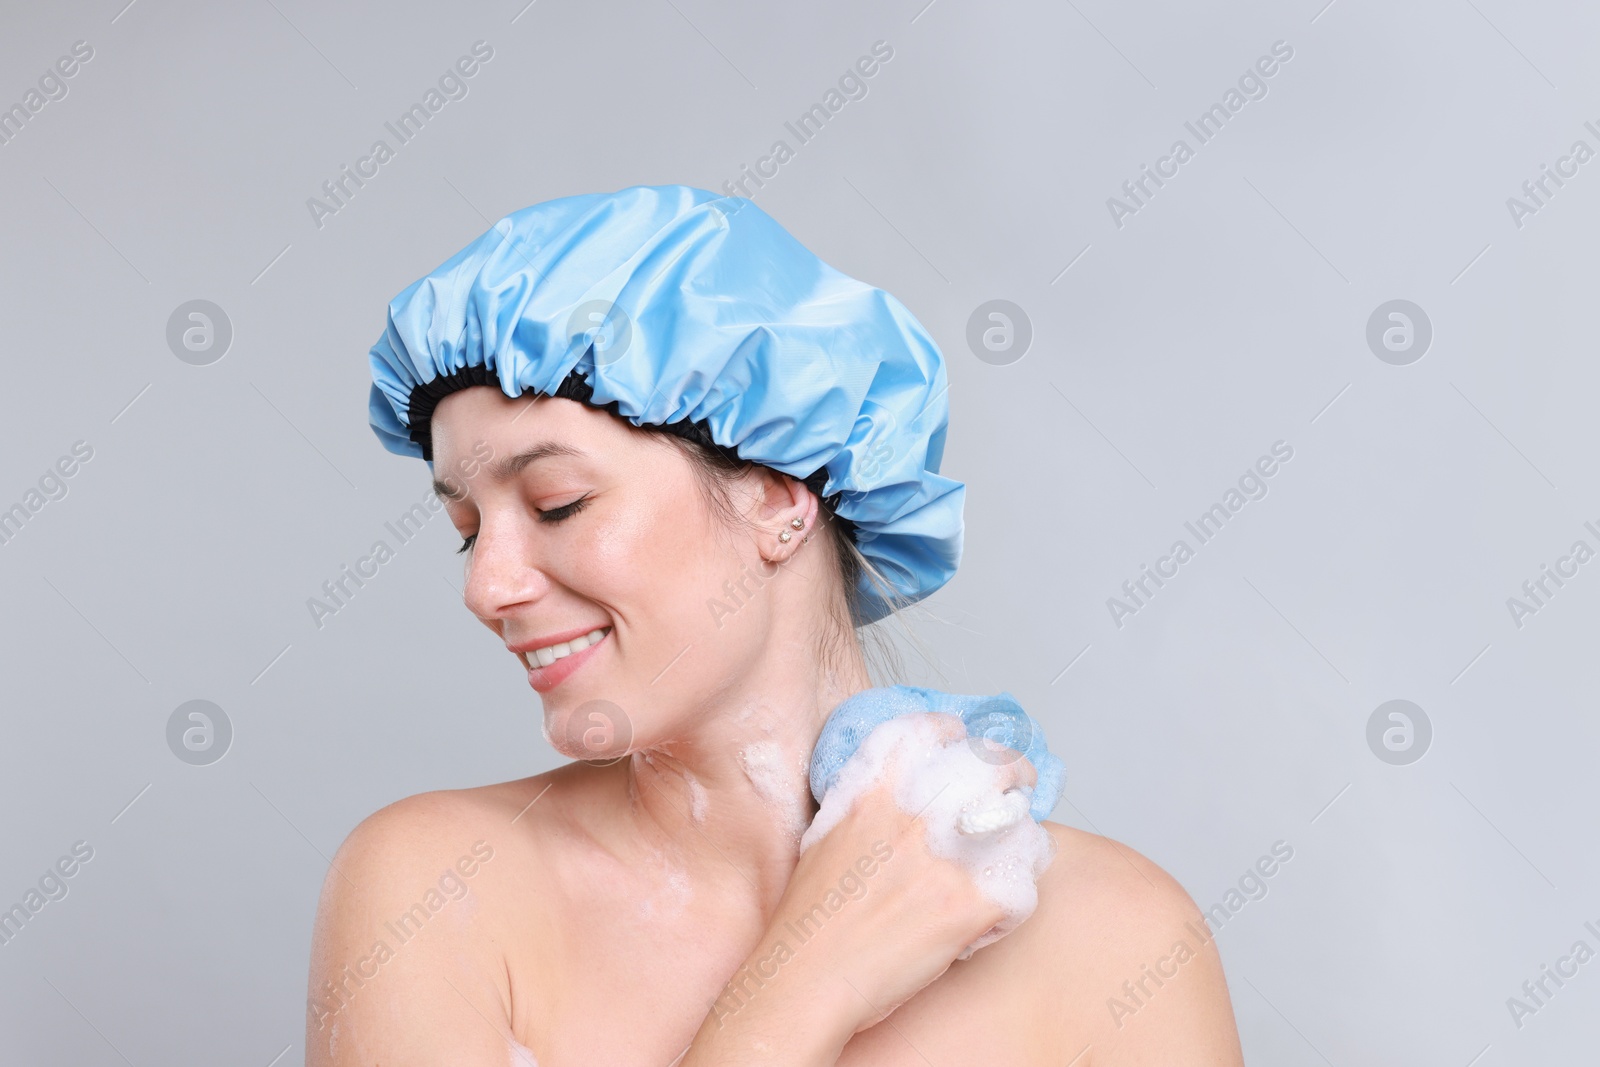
(698, 313)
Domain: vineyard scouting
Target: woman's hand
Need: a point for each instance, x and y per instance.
(870, 916)
(902, 914)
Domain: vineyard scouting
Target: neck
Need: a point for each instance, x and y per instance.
(733, 797)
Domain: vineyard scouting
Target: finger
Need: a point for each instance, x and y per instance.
(1019, 767)
(1017, 770)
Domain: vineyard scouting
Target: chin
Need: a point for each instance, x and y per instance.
(596, 729)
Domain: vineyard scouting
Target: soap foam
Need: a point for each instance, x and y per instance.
(782, 788)
(697, 798)
(965, 816)
(673, 895)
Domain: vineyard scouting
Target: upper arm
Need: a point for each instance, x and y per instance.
(1146, 983)
(402, 970)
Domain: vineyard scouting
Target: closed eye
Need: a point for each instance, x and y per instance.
(565, 511)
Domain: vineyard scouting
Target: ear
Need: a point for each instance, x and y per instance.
(782, 500)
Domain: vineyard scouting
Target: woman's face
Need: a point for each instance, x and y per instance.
(577, 522)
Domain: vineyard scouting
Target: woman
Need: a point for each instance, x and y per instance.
(689, 461)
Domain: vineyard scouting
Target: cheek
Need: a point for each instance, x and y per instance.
(614, 561)
(617, 545)
(648, 560)
(679, 567)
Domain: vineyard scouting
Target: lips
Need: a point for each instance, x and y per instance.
(553, 642)
(544, 676)
(545, 654)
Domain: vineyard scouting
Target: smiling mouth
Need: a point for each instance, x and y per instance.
(543, 657)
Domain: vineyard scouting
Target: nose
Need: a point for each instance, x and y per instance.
(503, 572)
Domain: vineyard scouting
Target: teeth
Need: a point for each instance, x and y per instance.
(543, 657)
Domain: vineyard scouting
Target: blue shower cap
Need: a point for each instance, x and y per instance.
(680, 308)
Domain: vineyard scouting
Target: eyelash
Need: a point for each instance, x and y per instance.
(564, 512)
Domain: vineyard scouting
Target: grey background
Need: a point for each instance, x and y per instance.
(1229, 313)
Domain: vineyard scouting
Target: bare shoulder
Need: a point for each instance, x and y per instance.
(1101, 888)
(421, 828)
(1136, 970)
(407, 847)
(407, 911)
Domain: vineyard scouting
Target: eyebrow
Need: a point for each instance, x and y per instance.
(510, 466)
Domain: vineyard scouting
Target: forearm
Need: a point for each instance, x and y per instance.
(776, 1012)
